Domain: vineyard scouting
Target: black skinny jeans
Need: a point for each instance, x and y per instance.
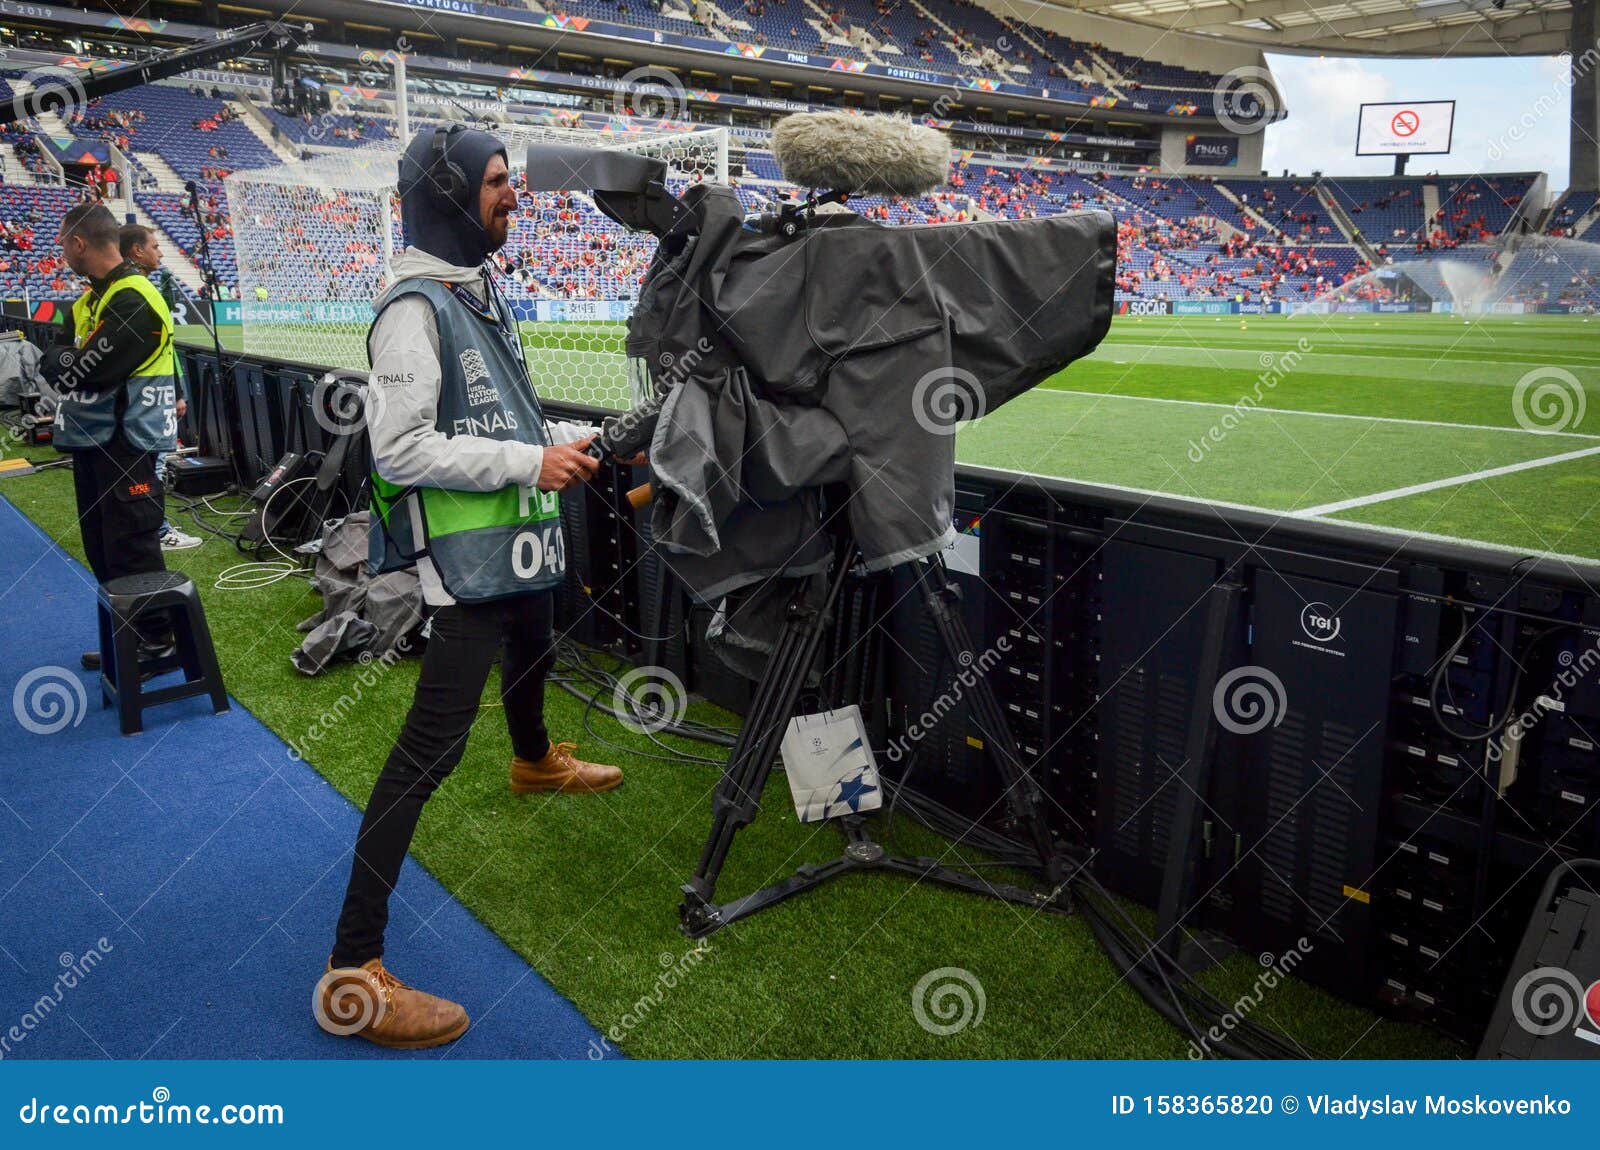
(455, 667)
(120, 510)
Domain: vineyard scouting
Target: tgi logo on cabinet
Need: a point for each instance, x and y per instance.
(1321, 624)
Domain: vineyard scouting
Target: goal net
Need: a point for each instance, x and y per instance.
(314, 240)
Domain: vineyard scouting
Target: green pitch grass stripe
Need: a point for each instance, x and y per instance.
(1551, 511)
(1237, 407)
(1265, 459)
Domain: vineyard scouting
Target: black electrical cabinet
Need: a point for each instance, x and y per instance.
(1366, 823)
(1305, 844)
(1146, 695)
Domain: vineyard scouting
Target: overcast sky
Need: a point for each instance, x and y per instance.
(1493, 96)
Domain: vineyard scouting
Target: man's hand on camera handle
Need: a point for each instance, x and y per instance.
(566, 465)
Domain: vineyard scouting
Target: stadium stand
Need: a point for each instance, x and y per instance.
(1569, 213)
(335, 130)
(30, 259)
(1385, 210)
(197, 136)
(171, 213)
(1289, 205)
(1179, 237)
(1474, 209)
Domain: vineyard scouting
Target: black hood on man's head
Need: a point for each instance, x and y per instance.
(440, 224)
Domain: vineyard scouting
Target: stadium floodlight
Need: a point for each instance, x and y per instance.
(313, 239)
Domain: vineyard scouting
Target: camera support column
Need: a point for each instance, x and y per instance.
(754, 754)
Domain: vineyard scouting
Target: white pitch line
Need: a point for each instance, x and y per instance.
(1588, 562)
(1317, 414)
(1437, 484)
(1573, 359)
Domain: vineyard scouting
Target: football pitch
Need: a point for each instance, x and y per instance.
(1429, 425)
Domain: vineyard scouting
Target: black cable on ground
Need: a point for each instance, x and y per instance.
(575, 669)
(1169, 989)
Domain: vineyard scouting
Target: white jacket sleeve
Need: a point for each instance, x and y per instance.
(407, 448)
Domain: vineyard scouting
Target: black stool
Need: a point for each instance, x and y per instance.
(149, 597)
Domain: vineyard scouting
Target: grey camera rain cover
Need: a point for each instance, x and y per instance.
(841, 356)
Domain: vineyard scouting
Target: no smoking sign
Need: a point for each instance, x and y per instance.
(1405, 123)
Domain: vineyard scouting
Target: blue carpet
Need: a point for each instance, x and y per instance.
(210, 863)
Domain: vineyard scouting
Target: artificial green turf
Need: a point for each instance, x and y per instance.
(586, 888)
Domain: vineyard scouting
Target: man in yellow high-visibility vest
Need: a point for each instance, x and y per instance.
(118, 405)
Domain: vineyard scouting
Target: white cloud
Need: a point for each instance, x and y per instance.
(1323, 96)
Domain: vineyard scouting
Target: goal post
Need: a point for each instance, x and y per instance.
(312, 241)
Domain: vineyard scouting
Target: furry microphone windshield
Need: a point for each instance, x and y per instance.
(883, 155)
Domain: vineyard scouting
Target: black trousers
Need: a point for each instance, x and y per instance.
(455, 668)
(121, 507)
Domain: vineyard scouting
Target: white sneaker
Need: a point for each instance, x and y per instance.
(174, 540)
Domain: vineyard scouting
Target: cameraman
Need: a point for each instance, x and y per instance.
(465, 476)
(118, 407)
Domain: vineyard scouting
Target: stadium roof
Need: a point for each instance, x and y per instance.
(1359, 27)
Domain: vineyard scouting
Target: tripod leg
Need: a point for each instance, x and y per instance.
(751, 760)
(1021, 792)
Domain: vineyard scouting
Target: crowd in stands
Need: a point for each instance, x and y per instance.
(116, 125)
(21, 140)
(30, 260)
(325, 245)
(331, 129)
(1574, 206)
(1473, 210)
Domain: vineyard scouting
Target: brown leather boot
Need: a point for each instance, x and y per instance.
(559, 771)
(367, 1000)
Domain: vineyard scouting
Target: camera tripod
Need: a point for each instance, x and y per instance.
(754, 753)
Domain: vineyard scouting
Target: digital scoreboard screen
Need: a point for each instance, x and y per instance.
(1420, 128)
